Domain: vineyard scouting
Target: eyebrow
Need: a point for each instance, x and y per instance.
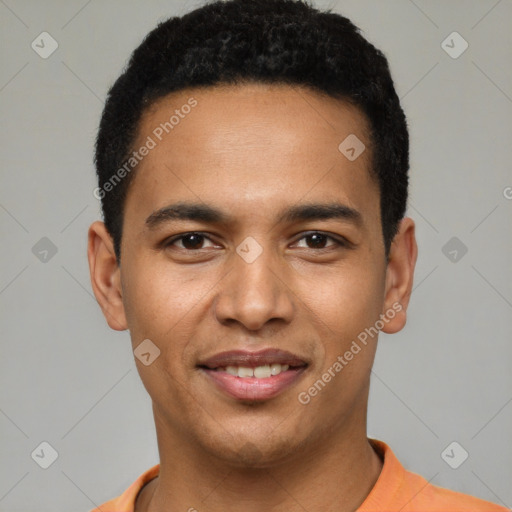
(321, 211)
(186, 211)
(209, 214)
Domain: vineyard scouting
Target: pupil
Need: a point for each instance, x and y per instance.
(196, 241)
(317, 239)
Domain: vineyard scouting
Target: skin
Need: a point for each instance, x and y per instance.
(252, 151)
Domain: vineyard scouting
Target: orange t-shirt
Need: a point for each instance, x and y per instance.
(396, 490)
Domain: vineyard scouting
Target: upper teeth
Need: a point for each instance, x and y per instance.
(260, 372)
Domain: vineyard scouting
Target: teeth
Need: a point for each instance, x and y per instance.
(260, 372)
(245, 372)
(275, 369)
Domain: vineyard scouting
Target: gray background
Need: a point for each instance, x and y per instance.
(70, 381)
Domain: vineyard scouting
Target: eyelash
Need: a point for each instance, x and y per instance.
(340, 243)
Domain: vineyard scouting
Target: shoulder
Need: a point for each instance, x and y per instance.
(431, 498)
(126, 501)
(398, 489)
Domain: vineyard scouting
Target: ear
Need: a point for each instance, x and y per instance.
(399, 276)
(106, 275)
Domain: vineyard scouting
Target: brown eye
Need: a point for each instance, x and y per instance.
(192, 241)
(320, 241)
(189, 241)
(317, 241)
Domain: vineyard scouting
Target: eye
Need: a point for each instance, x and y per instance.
(195, 241)
(318, 240)
(189, 241)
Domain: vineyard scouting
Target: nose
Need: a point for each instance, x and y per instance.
(254, 293)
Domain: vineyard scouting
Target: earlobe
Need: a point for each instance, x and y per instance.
(399, 276)
(106, 275)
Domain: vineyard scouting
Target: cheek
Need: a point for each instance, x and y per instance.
(347, 303)
(164, 304)
(348, 299)
(156, 296)
(161, 306)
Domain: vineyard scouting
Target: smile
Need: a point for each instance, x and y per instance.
(253, 376)
(260, 372)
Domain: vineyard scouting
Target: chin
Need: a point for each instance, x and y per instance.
(253, 451)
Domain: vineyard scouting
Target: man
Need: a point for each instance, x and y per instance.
(252, 163)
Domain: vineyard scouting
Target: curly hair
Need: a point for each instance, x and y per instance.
(268, 41)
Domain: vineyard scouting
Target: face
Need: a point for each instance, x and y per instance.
(252, 258)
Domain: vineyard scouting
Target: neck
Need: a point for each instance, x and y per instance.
(335, 475)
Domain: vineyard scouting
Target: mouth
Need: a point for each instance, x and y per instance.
(253, 376)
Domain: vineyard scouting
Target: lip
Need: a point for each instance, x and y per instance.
(252, 359)
(253, 388)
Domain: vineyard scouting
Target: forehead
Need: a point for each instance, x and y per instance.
(257, 113)
(252, 146)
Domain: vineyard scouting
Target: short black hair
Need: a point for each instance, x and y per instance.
(267, 41)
